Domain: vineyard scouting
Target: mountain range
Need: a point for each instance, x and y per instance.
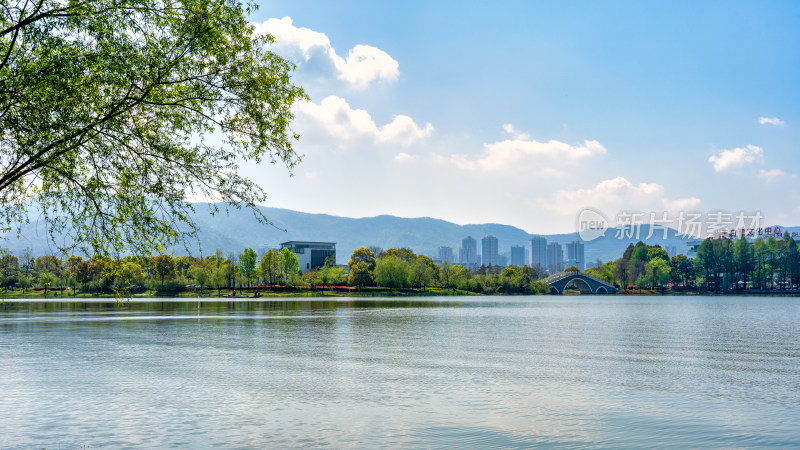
(238, 229)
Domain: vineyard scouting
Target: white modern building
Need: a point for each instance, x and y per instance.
(311, 254)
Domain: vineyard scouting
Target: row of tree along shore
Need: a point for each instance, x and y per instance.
(721, 265)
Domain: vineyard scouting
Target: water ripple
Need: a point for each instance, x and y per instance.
(450, 373)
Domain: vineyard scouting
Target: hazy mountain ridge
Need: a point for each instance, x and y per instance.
(238, 229)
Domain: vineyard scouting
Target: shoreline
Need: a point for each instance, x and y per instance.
(331, 294)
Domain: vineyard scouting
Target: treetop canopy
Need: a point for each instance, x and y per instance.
(114, 114)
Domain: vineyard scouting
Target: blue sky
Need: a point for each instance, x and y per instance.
(525, 112)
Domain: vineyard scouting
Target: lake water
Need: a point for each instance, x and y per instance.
(453, 372)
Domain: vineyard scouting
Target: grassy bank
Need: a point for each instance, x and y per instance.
(227, 293)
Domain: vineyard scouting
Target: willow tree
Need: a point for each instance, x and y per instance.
(114, 114)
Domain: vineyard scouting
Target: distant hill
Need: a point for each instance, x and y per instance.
(239, 229)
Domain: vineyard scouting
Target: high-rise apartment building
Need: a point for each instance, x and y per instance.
(445, 254)
(555, 257)
(489, 251)
(517, 255)
(575, 254)
(537, 252)
(468, 253)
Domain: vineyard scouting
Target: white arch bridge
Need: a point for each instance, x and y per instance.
(587, 284)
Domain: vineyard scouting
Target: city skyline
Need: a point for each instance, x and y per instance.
(617, 106)
(550, 257)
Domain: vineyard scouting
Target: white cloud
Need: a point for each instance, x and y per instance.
(616, 195)
(771, 175)
(334, 118)
(736, 158)
(509, 128)
(681, 204)
(549, 171)
(523, 153)
(403, 157)
(363, 65)
(771, 121)
(404, 131)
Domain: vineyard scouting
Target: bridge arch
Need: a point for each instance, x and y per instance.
(587, 284)
(581, 284)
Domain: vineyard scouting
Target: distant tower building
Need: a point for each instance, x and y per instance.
(554, 257)
(489, 250)
(575, 254)
(468, 253)
(502, 260)
(445, 254)
(537, 252)
(517, 255)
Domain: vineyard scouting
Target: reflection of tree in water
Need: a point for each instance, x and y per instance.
(180, 306)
